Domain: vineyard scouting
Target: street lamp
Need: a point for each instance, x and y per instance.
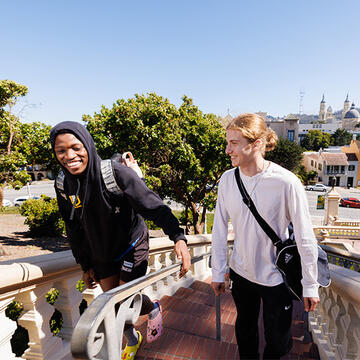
(333, 182)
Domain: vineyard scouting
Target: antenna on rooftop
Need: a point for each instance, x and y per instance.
(301, 93)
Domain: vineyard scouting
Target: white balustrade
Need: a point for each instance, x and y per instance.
(7, 329)
(336, 323)
(28, 280)
(337, 232)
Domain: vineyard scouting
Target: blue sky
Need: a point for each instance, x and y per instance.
(77, 55)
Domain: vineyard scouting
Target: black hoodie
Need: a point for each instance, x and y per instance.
(103, 225)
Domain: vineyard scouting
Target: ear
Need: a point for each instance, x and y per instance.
(258, 144)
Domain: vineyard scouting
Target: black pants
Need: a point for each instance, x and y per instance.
(277, 316)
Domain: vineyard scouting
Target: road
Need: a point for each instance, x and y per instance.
(37, 188)
(344, 213)
(47, 187)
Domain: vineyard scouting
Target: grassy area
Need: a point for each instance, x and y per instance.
(10, 210)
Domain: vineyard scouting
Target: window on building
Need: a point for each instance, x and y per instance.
(291, 135)
(342, 169)
(336, 168)
(312, 162)
(351, 167)
(320, 167)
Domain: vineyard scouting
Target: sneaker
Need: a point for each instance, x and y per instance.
(154, 326)
(130, 351)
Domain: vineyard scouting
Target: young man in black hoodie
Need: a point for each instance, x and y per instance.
(107, 233)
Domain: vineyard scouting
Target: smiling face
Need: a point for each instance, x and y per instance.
(239, 148)
(71, 153)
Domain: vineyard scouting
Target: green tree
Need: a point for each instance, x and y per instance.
(11, 160)
(315, 139)
(288, 154)
(181, 150)
(341, 137)
(35, 145)
(306, 176)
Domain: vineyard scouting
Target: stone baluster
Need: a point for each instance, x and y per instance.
(339, 312)
(155, 265)
(68, 304)
(322, 319)
(352, 340)
(7, 330)
(35, 318)
(329, 306)
(169, 281)
(199, 269)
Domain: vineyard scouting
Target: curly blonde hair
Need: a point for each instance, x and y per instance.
(253, 127)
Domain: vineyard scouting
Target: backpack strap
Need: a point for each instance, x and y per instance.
(59, 183)
(109, 178)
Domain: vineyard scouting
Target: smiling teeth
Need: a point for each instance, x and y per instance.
(73, 164)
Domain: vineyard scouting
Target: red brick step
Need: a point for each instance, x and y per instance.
(189, 328)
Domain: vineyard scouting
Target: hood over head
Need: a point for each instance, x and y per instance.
(91, 178)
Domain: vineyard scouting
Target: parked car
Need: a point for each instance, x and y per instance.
(350, 202)
(7, 202)
(316, 187)
(21, 199)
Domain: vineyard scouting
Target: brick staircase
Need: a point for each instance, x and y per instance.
(190, 328)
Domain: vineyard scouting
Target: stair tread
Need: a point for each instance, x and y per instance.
(189, 328)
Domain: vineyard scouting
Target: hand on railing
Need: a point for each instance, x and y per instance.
(218, 287)
(182, 252)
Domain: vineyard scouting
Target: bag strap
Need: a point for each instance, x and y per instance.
(250, 204)
(107, 173)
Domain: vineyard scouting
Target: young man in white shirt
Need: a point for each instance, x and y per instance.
(280, 199)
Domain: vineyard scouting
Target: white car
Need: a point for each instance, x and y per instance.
(7, 202)
(317, 187)
(21, 199)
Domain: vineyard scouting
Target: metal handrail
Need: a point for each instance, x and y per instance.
(126, 293)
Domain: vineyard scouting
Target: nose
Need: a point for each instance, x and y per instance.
(228, 149)
(70, 154)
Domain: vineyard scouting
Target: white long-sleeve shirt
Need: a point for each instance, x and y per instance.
(279, 198)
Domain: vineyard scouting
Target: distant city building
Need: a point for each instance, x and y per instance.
(287, 128)
(351, 119)
(327, 122)
(330, 166)
(328, 128)
(339, 162)
(354, 148)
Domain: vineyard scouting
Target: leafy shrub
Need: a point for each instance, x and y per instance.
(80, 285)
(151, 225)
(52, 296)
(43, 216)
(14, 310)
(20, 338)
(9, 210)
(56, 322)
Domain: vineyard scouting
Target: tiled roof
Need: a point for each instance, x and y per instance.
(313, 156)
(351, 156)
(334, 158)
